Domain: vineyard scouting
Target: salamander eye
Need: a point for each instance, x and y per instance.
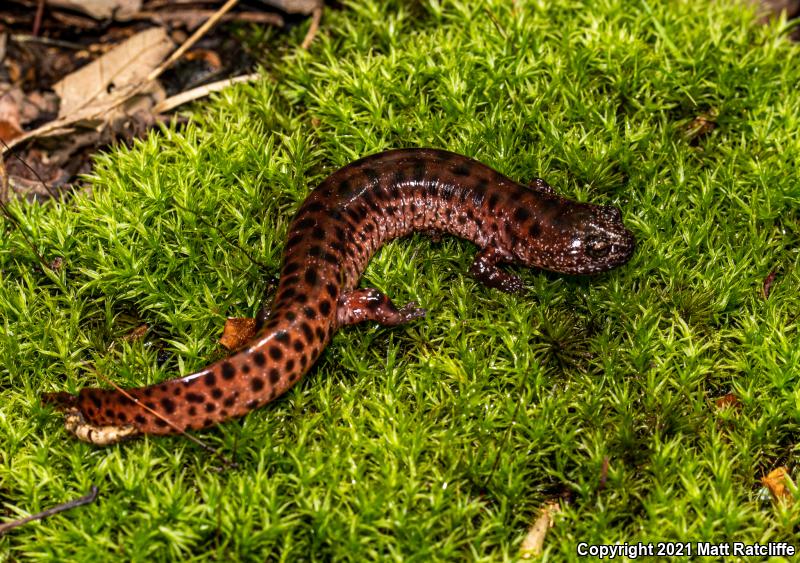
(597, 248)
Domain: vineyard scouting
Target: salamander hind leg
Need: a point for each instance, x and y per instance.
(85, 431)
(371, 305)
(484, 268)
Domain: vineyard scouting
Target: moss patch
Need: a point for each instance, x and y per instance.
(440, 439)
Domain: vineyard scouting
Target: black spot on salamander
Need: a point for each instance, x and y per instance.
(311, 277)
(259, 359)
(256, 384)
(318, 233)
(305, 223)
(168, 405)
(371, 174)
(210, 379)
(290, 268)
(534, 230)
(275, 353)
(307, 332)
(314, 207)
(521, 214)
(494, 199)
(282, 337)
(274, 376)
(325, 307)
(294, 240)
(462, 169)
(195, 398)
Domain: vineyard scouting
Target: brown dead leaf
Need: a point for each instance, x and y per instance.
(728, 401)
(96, 84)
(101, 9)
(533, 544)
(237, 332)
(776, 481)
(304, 7)
(10, 126)
(136, 334)
(108, 90)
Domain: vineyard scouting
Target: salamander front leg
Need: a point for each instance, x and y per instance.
(486, 271)
(372, 305)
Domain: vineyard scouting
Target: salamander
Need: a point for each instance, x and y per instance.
(332, 237)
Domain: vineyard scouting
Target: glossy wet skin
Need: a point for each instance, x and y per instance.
(333, 236)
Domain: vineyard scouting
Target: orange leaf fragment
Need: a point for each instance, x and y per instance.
(136, 334)
(237, 332)
(776, 481)
(729, 400)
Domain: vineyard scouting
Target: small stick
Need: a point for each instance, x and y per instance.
(86, 499)
(174, 426)
(179, 99)
(505, 439)
(37, 20)
(29, 167)
(495, 22)
(316, 16)
(200, 218)
(178, 53)
(24, 38)
(10, 217)
(603, 473)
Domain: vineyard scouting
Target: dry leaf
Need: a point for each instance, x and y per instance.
(729, 400)
(533, 544)
(100, 9)
(10, 126)
(136, 334)
(776, 481)
(106, 92)
(128, 64)
(295, 6)
(237, 332)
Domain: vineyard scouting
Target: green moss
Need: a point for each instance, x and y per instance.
(440, 439)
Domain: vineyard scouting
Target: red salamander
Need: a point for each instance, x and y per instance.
(335, 232)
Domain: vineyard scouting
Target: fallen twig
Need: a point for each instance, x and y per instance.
(178, 53)
(201, 91)
(37, 20)
(316, 17)
(86, 499)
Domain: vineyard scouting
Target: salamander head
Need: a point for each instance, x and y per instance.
(580, 238)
